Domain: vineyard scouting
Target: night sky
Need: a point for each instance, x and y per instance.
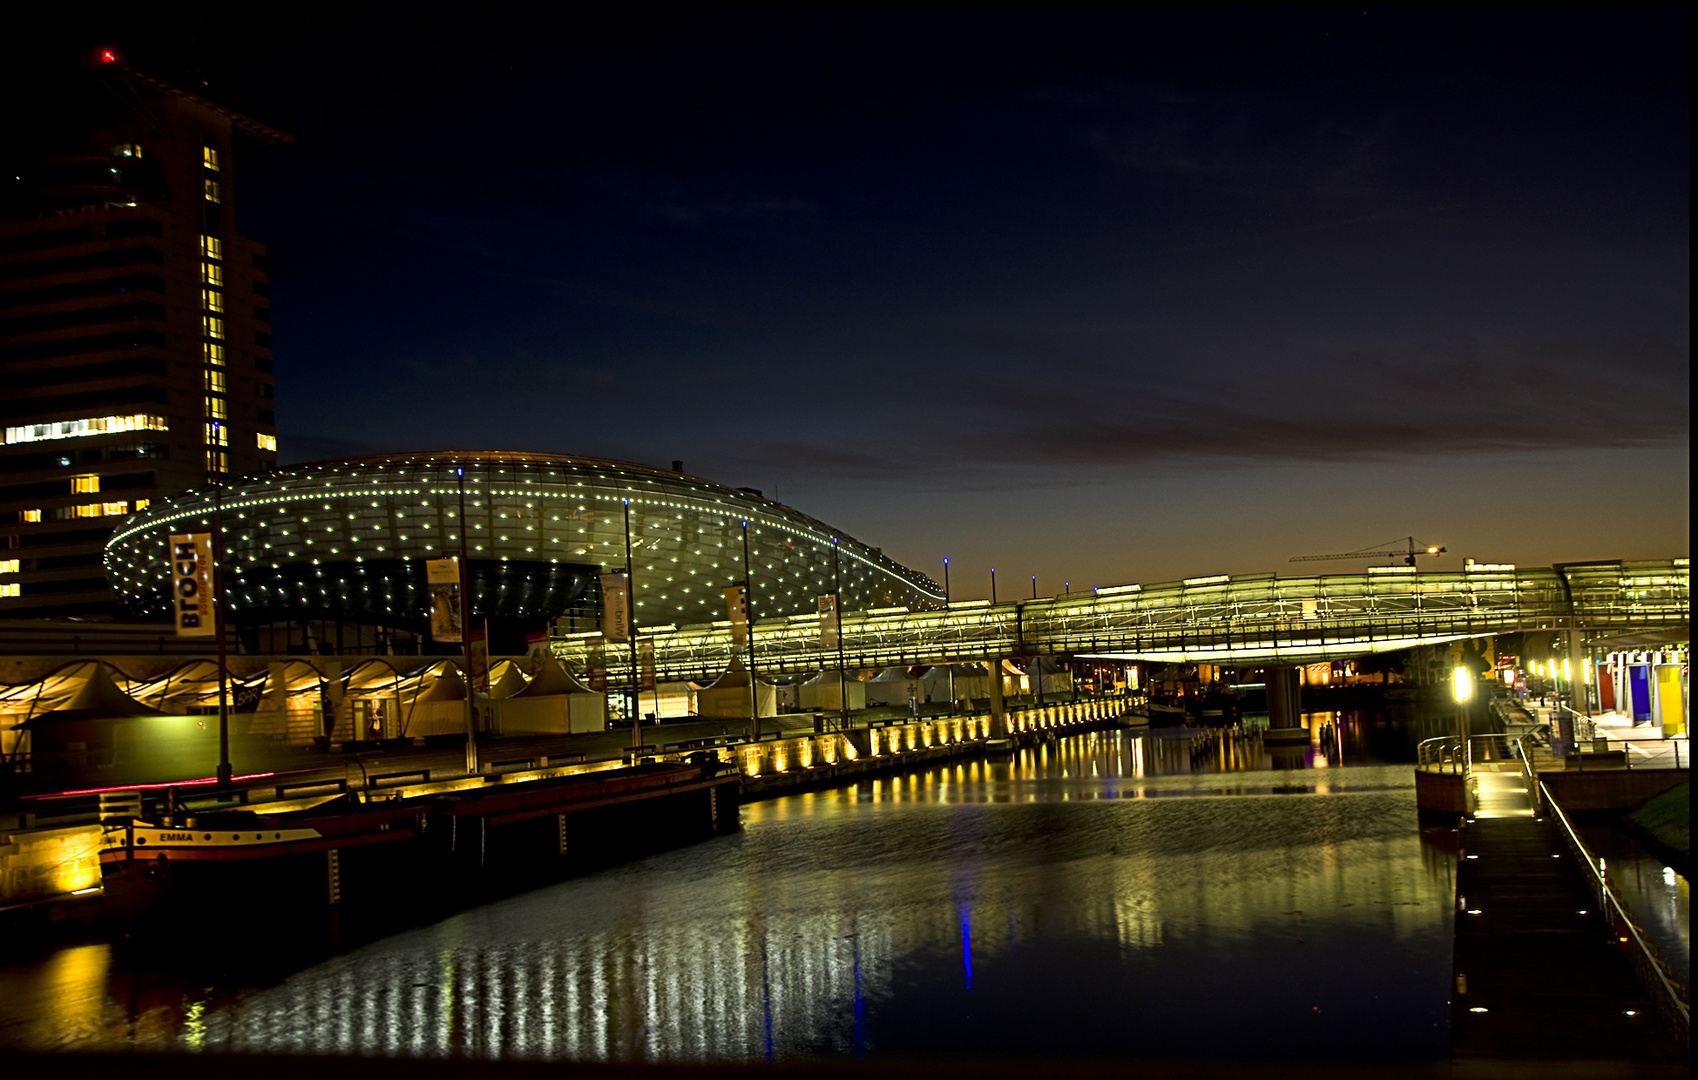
(1099, 296)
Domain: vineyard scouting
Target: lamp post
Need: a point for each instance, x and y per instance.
(993, 584)
(1034, 586)
(946, 581)
(1462, 689)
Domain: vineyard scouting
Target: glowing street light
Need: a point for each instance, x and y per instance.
(1462, 684)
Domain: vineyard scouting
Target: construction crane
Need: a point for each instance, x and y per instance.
(1409, 552)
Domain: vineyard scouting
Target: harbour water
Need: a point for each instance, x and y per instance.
(1113, 895)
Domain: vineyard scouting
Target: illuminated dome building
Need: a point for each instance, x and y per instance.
(342, 544)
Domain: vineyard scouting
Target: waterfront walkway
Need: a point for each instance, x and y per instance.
(1535, 975)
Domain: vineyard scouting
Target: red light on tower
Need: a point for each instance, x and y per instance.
(107, 56)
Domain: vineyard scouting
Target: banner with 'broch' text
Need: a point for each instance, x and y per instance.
(191, 585)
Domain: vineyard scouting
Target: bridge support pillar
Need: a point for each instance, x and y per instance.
(999, 719)
(1285, 707)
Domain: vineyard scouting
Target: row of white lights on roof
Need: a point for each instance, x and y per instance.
(717, 515)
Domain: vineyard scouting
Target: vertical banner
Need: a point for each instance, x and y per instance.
(828, 621)
(191, 585)
(737, 610)
(598, 666)
(443, 577)
(645, 660)
(615, 607)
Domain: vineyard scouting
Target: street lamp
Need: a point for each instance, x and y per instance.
(946, 581)
(993, 584)
(1462, 689)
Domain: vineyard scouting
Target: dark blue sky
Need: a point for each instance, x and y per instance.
(1103, 296)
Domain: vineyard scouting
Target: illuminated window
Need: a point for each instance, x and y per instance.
(142, 504)
(13, 589)
(8, 566)
(212, 299)
(215, 407)
(90, 510)
(29, 515)
(211, 247)
(215, 380)
(85, 484)
(215, 460)
(128, 149)
(211, 190)
(212, 273)
(76, 429)
(209, 157)
(217, 435)
(115, 509)
(266, 442)
(214, 352)
(212, 326)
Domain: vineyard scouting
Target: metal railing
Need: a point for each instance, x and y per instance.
(1443, 754)
(1668, 995)
(1667, 750)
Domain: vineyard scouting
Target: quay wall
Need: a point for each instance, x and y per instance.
(1610, 790)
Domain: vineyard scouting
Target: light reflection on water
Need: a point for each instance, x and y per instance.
(1068, 903)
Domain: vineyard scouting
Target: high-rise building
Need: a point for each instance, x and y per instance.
(135, 331)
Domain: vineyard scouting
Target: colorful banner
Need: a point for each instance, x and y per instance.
(737, 610)
(191, 585)
(615, 608)
(443, 577)
(828, 621)
(645, 661)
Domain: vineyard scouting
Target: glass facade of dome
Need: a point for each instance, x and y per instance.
(348, 539)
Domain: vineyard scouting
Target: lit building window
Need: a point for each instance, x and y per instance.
(215, 380)
(209, 157)
(76, 429)
(211, 247)
(266, 442)
(128, 149)
(115, 509)
(142, 504)
(215, 460)
(29, 515)
(212, 326)
(8, 566)
(214, 352)
(12, 589)
(215, 407)
(211, 190)
(212, 299)
(217, 435)
(84, 484)
(212, 273)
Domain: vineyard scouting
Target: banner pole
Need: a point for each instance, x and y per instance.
(749, 617)
(837, 616)
(631, 628)
(466, 631)
(224, 771)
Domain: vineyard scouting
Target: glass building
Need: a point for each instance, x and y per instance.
(342, 544)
